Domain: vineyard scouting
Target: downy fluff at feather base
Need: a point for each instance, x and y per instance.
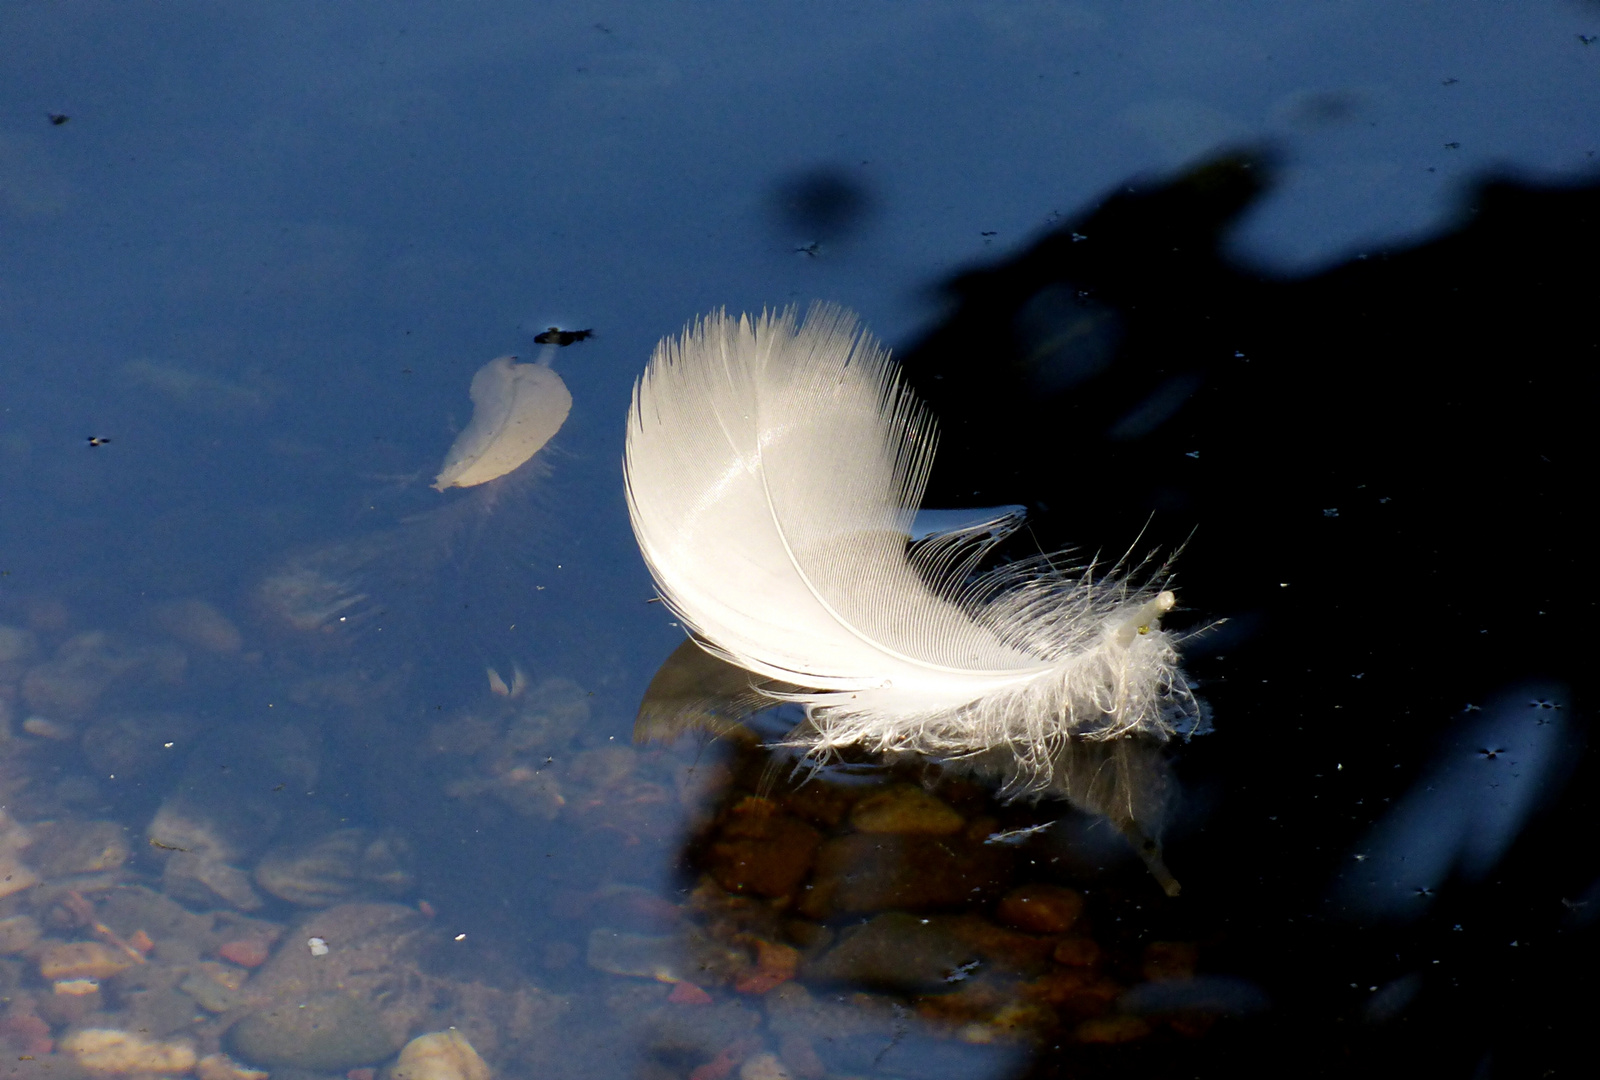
(773, 470)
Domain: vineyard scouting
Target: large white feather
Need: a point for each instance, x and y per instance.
(773, 472)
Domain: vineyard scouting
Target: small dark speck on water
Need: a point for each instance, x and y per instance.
(557, 336)
(57, 119)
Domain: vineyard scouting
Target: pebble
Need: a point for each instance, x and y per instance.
(223, 1067)
(76, 987)
(85, 667)
(363, 999)
(1077, 952)
(18, 933)
(906, 808)
(866, 872)
(326, 1033)
(138, 744)
(67, 848)
(82, 960)
(108, 1051)
(764, 1066)
(439, 1055)
(761, 850)
(209, 882)
(343, 865)
(646, 956)
(687, 993)
(214, 987)
(775, 964)
(246, 952)
(197, 623)
(894, 951)
(42, 727)
(1041, 909)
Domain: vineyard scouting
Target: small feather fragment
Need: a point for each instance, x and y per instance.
(516, 408)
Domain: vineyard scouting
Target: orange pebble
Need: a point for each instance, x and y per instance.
(361, 1074)
(141, 942)
(687, 993)
(246, 952)
(775, 964)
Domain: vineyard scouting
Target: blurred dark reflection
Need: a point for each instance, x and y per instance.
(1384, 467)
(824, 204)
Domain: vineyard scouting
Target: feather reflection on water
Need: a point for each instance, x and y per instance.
(342, 588)
(1126, 781)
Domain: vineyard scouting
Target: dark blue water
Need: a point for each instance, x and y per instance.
(1307, 288)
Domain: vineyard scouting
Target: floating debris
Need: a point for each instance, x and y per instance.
(1017, 836)
(516, 408)
(556, 336)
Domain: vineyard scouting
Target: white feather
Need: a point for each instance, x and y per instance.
(773, 473)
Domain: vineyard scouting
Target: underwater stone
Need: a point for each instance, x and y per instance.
(14, 876)
(343, 865)
(81, 960)
(195, 622)
(137, 744)
(328, 1032)
(762, 850)
(223, 1067)
(905, 808)
(895, 951)
(67, 848)
(374, 957)
(108, 1051)
(1041, 909)
(764, 1066)
(439, 1055)
(865, 872)
(18, 933)
(209, 882)
(87, 665)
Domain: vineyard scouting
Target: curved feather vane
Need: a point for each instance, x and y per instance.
(773, 472)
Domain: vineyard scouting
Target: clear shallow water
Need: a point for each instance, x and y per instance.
(265, 253)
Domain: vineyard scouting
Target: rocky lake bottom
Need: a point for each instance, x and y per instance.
(186, 891)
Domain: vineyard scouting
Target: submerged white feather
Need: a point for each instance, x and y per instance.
(773, 473)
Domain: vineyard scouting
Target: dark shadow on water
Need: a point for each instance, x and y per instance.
(1384, 466)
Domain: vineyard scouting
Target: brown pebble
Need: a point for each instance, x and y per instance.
(1077, 952)
(1170, 960)
(223, 1067)
(1112, 1029)
(906, 808)
(762, 850)
(1042, 909)
(81, 960)
(246, 952)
